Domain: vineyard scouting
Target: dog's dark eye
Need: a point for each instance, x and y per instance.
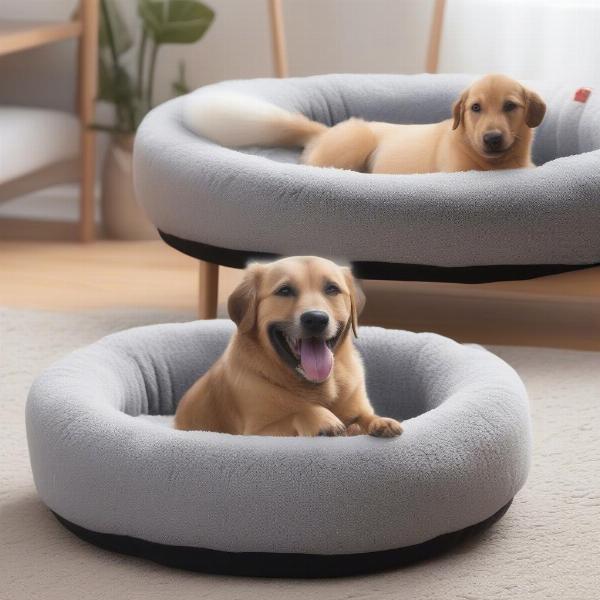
(331, 289)
(285, 290)
(509, 106)
(476, 107)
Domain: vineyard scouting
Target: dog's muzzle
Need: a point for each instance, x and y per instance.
(309, 353)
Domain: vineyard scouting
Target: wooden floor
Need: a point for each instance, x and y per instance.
(558, 311)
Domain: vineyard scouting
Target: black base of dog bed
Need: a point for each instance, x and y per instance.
(268, 564)
(238, 259)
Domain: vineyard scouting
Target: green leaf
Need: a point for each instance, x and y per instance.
(117, 26)
(175, 21)
(105, 83)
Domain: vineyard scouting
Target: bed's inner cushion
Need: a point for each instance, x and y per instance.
(426, 99)
(407, 374)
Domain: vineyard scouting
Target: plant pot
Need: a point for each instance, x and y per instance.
(122, 217)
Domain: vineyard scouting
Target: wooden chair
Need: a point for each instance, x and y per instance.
(17, 36)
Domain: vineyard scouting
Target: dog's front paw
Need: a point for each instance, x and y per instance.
(385, 427)
(332, 429)
(354, 429)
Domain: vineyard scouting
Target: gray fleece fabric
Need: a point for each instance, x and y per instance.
(101, 463)
(261, 200)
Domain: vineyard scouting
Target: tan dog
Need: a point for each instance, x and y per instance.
(291, 368)
(490, 129)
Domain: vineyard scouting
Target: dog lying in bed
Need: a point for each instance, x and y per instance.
(490, 128)
(291, 368)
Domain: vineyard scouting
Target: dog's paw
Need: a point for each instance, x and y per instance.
(354, 429)
(332, 429)
(385, 427)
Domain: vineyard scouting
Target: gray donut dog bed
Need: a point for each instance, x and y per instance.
(225, 206)
(105, 463)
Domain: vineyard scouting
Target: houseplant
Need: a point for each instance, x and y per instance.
(129, 88)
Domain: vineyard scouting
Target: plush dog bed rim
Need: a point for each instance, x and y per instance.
(238, 259)
(272, 564)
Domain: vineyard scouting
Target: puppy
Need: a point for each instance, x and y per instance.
(490, 128)
(291, 368)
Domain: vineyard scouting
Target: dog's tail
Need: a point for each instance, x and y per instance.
(236, 120)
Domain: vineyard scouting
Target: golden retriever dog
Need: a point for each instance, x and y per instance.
(291, 368)
(490, 128)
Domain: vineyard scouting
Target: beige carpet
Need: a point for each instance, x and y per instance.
(546, 547)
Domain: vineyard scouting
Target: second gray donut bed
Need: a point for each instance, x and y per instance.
(106, 465)
(225, 205)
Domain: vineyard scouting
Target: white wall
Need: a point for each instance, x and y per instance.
(526, 38)
(552, 40)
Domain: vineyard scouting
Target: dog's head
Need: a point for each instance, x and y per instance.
(300, 310)
(494, 112)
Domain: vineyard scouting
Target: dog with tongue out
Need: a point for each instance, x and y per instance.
(291, 368)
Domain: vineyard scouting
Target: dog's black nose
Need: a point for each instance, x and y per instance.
(314, 321)
(493, 140)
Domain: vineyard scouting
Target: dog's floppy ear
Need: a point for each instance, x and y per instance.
(535, 108)
(241, 305)
(357, 299)
(458, 109)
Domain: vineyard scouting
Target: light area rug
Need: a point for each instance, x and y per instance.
(546, 547)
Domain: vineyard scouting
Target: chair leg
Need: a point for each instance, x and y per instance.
(435, 37)
(88, 60)
(208, 290)
(278, 38)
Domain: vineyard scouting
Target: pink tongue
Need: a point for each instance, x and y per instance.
(316, 359)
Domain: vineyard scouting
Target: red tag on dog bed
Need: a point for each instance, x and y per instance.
(582, 94)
